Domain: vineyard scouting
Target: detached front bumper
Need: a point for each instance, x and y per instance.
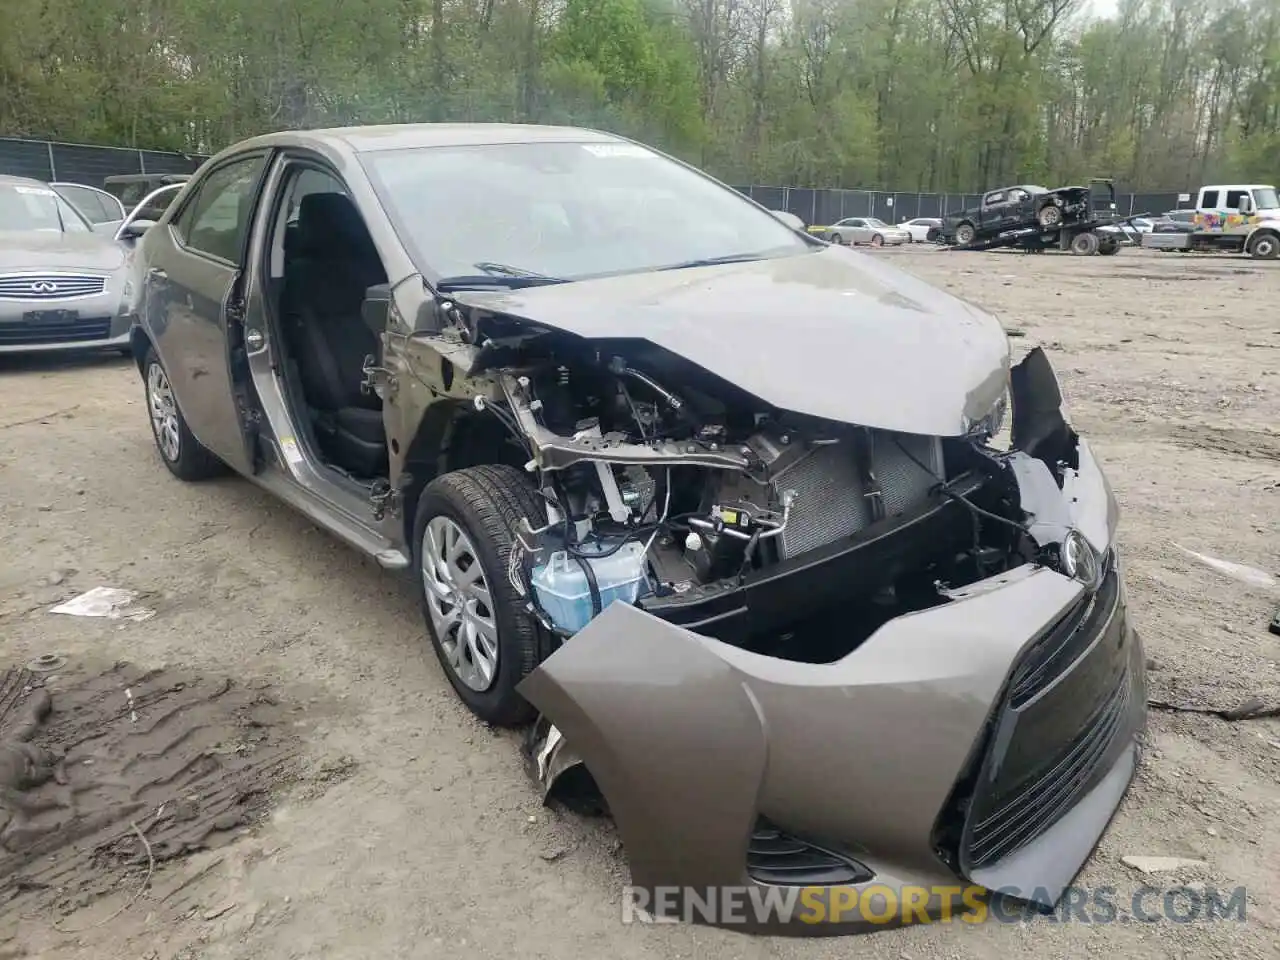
(987, 741)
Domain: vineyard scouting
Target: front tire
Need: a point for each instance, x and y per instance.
(877, 241)
(181, 452)
(1265, 247)
(486, 642)
(837, 239)
(1050, 216)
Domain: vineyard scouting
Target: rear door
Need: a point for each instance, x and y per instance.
(193, 272)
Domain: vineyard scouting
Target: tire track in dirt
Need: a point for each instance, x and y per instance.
(189, 760)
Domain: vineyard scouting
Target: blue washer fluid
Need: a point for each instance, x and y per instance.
(562, 589)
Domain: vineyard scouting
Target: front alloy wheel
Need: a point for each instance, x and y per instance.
(459, 603)
(485, 639)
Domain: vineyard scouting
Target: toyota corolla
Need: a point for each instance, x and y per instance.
(766, 541)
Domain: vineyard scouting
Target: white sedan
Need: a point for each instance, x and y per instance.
(919, 228)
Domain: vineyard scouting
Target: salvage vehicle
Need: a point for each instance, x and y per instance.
(1228, 218)
(726, 515)
(63, 285)
(1011, 208)
(1082, 220)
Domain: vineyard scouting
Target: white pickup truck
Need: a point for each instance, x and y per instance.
(1229, 218)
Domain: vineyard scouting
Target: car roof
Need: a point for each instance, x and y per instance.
(9, 180)
(401, 136)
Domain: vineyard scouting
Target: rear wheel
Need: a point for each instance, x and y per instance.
(179, 449)
(877, 241)
(1050, 216)
(1085, 244)
(1108, 248)
(965, 234)
(485, 640)
(836, 238)
(1265, 246)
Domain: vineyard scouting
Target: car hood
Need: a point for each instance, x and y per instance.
(37, 250)
(832, 334)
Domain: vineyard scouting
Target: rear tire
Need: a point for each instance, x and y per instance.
(1050, 216)
(181, 452)
(877, 241)
(1085, 244)
(1265, 247)
(837, 239)
(485, 504)
(965, 234)
(1108, 248)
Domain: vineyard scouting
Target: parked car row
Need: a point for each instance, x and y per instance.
(874, 231)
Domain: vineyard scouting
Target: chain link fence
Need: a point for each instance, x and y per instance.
(79, 163)
(826, 206)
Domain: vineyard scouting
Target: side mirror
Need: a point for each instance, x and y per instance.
(134, 229)
(1246, 204)
(789, 218)
(376, 307)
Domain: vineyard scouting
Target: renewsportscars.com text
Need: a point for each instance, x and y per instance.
(890, 906)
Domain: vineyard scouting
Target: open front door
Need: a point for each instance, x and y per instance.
(194, 277)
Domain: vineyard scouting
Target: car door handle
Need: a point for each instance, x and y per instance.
(155, 273)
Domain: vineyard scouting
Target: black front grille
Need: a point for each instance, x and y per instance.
(35, 334)
(780, 860)
(1063, 643)
(1037, 804)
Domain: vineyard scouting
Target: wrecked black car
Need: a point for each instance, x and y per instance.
(1015, 208)
(767, 540)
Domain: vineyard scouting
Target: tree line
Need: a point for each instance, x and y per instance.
(927, 95)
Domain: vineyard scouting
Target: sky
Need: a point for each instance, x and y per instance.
(1101, 8)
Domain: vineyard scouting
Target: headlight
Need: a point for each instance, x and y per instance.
(1080, 561)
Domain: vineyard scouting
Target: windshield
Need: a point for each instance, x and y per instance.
(1264, 198)
(565, 210)
(27, 208)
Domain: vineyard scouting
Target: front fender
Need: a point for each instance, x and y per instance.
(663, 724)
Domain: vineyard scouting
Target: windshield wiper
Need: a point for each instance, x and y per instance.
(713, 261)
(498, 275)
(505, 270)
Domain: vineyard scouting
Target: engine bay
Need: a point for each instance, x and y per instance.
(673, 490)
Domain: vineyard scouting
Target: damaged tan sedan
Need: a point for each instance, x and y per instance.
(720, 511)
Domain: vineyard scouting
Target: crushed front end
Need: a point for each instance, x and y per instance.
(791, 652)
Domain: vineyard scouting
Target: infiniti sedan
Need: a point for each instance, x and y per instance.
(62, 285)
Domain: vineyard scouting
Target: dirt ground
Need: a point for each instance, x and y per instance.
(363, 813)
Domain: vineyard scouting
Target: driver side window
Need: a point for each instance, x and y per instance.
(993, 198)
(216, 220)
